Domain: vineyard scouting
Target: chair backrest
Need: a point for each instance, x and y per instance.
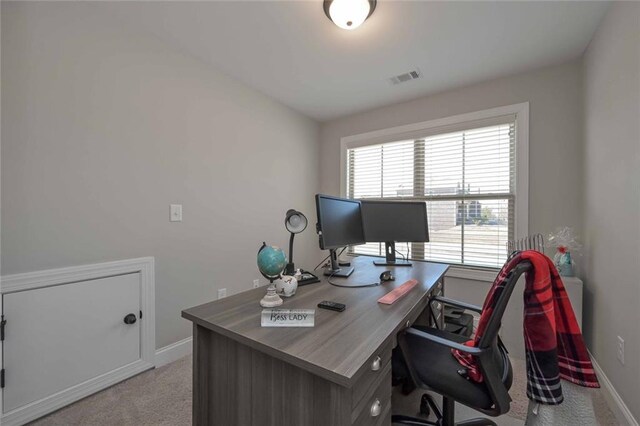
(496, 380)
(495, 321)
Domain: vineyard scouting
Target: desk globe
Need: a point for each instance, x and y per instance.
(271, 263)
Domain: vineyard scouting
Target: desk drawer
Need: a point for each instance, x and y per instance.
(436, 308)
(385, 417)
(377, 406)
(374, 368)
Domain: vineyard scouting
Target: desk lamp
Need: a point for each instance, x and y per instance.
(295, 222)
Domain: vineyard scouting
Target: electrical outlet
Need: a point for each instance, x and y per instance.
(222, 293)
(175, 212)
(256, 283)
(621, 350)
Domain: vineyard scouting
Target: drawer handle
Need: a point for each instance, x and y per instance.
(375, 365)
(376, 407)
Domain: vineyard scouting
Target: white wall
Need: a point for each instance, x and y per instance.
(612, 197)
(104, 127)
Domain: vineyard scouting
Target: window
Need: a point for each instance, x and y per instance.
(466, 175)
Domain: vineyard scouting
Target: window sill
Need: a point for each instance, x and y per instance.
(486, 275)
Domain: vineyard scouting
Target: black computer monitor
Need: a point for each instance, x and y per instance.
(394, 221)
(339, 225)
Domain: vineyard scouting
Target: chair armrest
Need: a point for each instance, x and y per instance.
(457, 303)
(445, 342)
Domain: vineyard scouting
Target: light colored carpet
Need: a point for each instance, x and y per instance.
(520, 401)
(156, 397)
(410, 405)
(163, 397)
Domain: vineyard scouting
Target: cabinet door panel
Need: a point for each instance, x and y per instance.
(60, 336)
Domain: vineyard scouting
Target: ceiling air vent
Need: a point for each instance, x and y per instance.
(403, 78)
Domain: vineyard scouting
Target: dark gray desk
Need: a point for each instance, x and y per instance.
(337, 373)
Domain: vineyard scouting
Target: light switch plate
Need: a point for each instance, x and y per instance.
(176, 213)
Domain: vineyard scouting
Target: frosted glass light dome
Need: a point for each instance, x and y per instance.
(349, 14)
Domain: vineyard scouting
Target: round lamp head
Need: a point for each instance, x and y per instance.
(295, 222)
(348, 14)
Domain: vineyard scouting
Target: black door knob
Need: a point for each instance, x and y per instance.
(130, 319)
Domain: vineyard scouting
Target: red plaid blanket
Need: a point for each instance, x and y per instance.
(554, 345)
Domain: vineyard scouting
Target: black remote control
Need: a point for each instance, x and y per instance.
(332, 306)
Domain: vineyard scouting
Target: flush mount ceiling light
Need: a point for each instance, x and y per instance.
(348, 14)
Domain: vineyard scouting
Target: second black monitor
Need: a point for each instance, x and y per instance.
(339, 225)
(394, 221)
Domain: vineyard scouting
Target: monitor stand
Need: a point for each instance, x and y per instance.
(335, 269)
(390, 257)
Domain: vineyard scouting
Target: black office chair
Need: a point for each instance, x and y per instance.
(431, 365)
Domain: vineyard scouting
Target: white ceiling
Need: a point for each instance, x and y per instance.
(293, 53)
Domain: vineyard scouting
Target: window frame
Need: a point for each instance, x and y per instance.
(453, 124)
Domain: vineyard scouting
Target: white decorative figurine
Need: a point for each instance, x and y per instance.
(286, 286)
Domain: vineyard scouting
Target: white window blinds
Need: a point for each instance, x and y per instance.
(467, 180)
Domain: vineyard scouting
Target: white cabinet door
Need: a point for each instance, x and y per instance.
(60, 336)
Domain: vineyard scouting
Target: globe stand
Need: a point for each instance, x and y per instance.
(271, 299)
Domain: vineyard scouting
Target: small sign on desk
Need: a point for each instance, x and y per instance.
(288, 317)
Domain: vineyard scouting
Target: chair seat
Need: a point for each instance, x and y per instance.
(440, 372)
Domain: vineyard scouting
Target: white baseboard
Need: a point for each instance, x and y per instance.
(174, 351)
(63, 398)
(616, 404)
